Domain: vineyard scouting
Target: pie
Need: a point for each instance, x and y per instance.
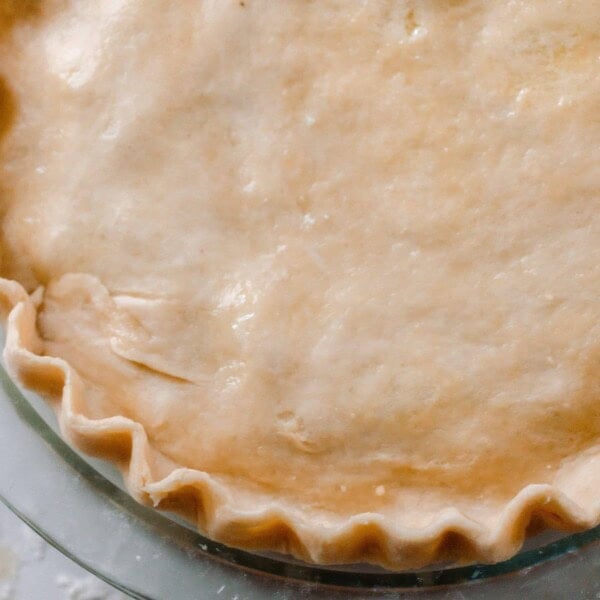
(323, 276)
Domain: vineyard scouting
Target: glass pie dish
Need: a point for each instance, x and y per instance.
(78, 504)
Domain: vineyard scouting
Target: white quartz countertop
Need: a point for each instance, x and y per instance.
(30, 569)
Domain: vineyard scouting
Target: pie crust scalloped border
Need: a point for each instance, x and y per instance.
(364, 537)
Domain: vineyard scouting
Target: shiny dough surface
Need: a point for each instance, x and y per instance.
(334, 265)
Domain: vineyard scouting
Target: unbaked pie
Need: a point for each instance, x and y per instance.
(322, 275)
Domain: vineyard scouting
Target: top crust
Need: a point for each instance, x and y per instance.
(324, 277)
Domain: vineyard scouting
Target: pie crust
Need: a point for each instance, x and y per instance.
(322, 276)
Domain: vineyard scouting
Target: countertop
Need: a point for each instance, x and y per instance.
(30, 569)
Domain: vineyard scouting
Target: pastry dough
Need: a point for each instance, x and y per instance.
(324, 276)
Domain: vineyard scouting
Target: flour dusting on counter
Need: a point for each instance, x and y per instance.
(29, 568)
(86, 588)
